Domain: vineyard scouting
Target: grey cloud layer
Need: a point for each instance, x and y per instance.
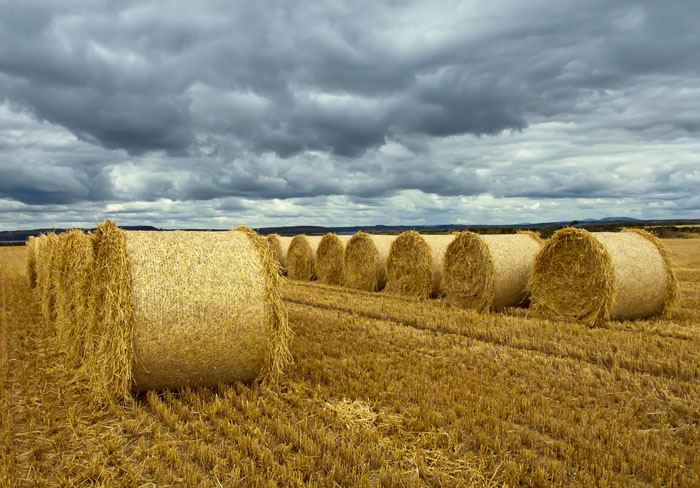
(288, 77)
(233, 101)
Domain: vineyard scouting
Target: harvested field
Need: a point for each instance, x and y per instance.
(384, 390)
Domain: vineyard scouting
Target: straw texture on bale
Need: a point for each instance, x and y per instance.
(300, 259)
(74, 264)
(489, 272)
(285, 241)
(46, 276)
(329, 258)
(182, 308)
(275, 245)
(594, 277)
(31, 261)
(365, 261)
(414, 265)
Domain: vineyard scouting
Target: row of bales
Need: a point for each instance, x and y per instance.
(138, 310)
(576, 275)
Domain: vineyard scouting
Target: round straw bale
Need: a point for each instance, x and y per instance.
(329, 258)
(414, 265)
(365, 261)
(300, 260)
(285, 241)
(489, 272)
(275, 245)
(46, 276)
(31, 261)
(184, 309)
(593, 277)
(74, 264)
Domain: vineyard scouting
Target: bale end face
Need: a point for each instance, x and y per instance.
(73, 263)
(468, 278)
(46, 276)
(329, 260)
(362, 267)
(300, 260)
(410, 266)
(572, 279)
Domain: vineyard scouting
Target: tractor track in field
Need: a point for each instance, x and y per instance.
(608, 362)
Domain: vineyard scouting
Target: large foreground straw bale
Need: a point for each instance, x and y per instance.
(593, 277)
(46, 276)
(330, 254)
(74, 264)
(414, 265)
(365, 261)
(31, 260)
(489, 272)
(183, 309)
(300, 260)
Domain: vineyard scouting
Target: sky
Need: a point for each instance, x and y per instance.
(213, 114)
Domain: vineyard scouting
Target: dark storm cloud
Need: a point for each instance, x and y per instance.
(122, 77)
(228, 103)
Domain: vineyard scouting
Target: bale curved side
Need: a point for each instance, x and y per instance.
(364, 264)
(644, 281)
(415, 262)
(330, 255)
(278, 355)
(673, 292)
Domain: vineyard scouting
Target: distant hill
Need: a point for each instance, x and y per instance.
(18, 236)
(23, 235)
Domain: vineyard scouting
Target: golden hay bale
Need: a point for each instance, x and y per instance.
(593, 277)
(300, 259)
(31, 261)
(46, 276)
(364, 266)
(489, 272)
(275, 245)
(181, 308)
(285, 241)
(414, 265)
(330, 254)
(279, 245)
(74, 263)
